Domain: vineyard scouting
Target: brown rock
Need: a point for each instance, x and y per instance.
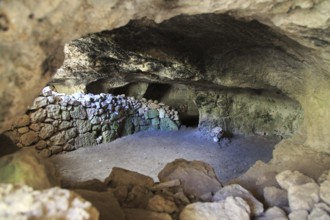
(196, 177)
(120, 176)
(22, 121)
(35, 127)
(39, 115)
(55, 149)
(46, 131)
(159, 204)
(40, 145)
(23, 130)
(29, 138)
(140, 214)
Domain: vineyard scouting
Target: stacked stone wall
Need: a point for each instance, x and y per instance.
(57, 122)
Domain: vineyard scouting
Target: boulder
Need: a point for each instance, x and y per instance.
(105, 202)
(275, 196)
(303, 196)
(197, 178)
(120, 176)
(141, 214)
(289, 178)
(22, 202)
(236, 190)
(29, 138)
(26, 167)
(232, 208)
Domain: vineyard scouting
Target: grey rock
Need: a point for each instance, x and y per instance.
(55, 149)
(70, 133)
(39, 102)
(59, 138)
(274, 213)
(298, 215)
(86, 139)
(46, 131)
(78, 112)
(289, 178)
(45, 153)
(161, 113)
(108, 136)
(166, 124)
(325, 191)
(66, 115)
(53, 111)
(155, 121)
(29, 138)
(83, 126)
(65, 125)
(303, 196)
(196, 177)
(51, 99)
(275, 196)
(318, 214)
(233, 208)
(56, 123)
(236, 190)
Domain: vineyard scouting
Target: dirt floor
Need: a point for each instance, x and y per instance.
(148, 152)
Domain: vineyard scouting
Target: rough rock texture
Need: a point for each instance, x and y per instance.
(82, 120)
(289, 178)
(26, 167)
(234, 208)
(236, 190)
(292, 44)
(197, 178)
(22, 202)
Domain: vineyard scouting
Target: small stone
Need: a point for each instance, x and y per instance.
(22, 121)
(298, 215)
(70, 133)
(238, 191)
(66, 115)
(303, 196)
(78, 112)
(46, 131)
(275, 196)
(230, 208)
(23, 130)
(29, 138)
(35, 127)
(65, 125)
(58, 139)
(55, 149)
(45, 153)
(53, 111)
(318, 214)
(291, 178)
(159, 204)
(56, 123)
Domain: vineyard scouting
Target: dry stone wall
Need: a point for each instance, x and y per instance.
(57, 122)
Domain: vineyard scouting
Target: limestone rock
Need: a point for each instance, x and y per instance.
(53, 111)
(85, 140)
(159, 204)
(120, 176)
(196, 177)
(274, 213)
(325, 191)
(22, 121)
(46, 131)
(104, 202)
(275, 196)
(232, 208)
(236, 190)
(78, 112)
(22, 202)
(292, 178)
(29, 138)
(18, 168)
(141, 214)
(303, 196)
(38, 116)
(298, 215)
(318, 214)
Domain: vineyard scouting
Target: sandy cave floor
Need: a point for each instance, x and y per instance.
(148, 152)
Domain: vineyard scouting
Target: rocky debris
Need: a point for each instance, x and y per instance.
(104, 202)
(27, 167)
(22, 202)
(197, 178)
(233, 208)
(86, 119)
(289, 178)
(275, 196)
(236, 190)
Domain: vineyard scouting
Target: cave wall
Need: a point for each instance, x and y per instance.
(33, 34)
